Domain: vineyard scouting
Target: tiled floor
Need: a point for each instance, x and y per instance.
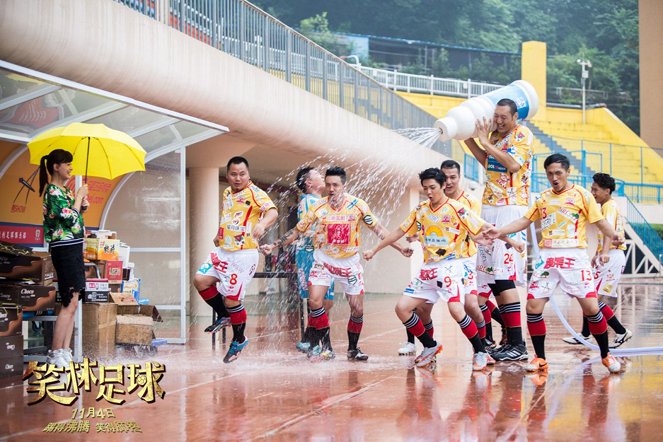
(273, 392)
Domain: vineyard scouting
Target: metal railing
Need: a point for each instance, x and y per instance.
(241, 29)
(644, 230)
(399, 81)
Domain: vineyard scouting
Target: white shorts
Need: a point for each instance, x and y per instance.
(568, 268)
(234, 270)
(607, 276)
(438, 280)
(500, 261)
(469, 275)
(347, 272)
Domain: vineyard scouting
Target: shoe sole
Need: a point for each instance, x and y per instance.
(428, 359)
(536, 369)
(616, 345)
(572, 343)
(216, 329)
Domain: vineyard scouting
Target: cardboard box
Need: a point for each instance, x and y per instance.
(99, 321)
(11, 346)
(102, 249)
(110, 270)
(31, 297)
(138, 309)
(11, 320)
(97, 290)
(134, 329)
(21, 263)
(123, 299)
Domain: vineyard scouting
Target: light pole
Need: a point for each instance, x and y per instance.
(585, 64)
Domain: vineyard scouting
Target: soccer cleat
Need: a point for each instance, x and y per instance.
(314, 352)
(427, 355)
(327, 354)
(407, 349)
(537, 364)
(303, 346)
(510, 352)
(611, 363)
(620, 339)
(572, 340)
(234, 350)
(479, 361)
(488, 343)
(357, 355)
(539, 378)
(222, 321)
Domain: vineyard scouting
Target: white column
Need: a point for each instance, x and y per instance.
(203, 224)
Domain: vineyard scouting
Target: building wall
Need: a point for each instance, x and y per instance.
(651, 71)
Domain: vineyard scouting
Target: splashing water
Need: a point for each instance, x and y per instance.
(426, 136)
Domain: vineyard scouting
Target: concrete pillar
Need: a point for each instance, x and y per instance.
(533, 70)
(204, 200)
(651, 71)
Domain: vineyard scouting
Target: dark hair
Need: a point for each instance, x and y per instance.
(433, 174)
(302, 176)
(336, 171)
(236, 160)
(557, 158)
(510, 103)
(604, 181)
(450, 164)
(57, 156)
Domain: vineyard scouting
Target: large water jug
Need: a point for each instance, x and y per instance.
(459, 123)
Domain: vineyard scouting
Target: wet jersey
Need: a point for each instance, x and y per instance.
(240, 212)
(502, 187)
(475, 206)
(337, 231)
(611, 214)
(306, 201)
(442, 231)
(564, 217)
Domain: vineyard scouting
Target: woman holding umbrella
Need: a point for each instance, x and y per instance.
(64, 231)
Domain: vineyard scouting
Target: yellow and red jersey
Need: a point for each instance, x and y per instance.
(564, 217)
(611, 214)
(504, 188)
(337, 230)
(241, 211)
(475, 206)
(443, 230)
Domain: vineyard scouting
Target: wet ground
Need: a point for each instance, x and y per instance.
(273, 392)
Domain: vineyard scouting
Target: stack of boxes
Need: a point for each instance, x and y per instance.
(26, 288)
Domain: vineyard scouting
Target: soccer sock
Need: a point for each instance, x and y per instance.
(214, 299)
(511, 315)
(238, 321)
(609, 316)
(416, 327)
(354, 329)
(599, 328)
(319, 321)
(481, 327)
(537, 331)
(410, 337)
(469, 329)
(585, 327)
(494, 313)
(429, 328)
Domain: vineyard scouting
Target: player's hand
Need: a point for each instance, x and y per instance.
(617, 240)
(519, 246)
(81, 193)
(483, 128)
(406, 252)
(604, 258)
(483, 240)
(267, 249)
(491, 232)
(216, 241)
(258, 231)
(369, 254)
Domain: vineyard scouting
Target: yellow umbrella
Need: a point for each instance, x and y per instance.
(98, 150)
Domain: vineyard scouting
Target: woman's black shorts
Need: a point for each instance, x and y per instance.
(70, 269)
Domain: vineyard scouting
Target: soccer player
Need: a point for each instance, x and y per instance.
(506, 154)
(564, 210)
(608, 262)
(311, 183)
(442, 225)
(222, 280)
(336, 219)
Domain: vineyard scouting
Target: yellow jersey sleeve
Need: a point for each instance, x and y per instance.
(533, 213)
(310, 216)
(469, 219)
(367, 216)
(611, 214)
(591, 207)
(410, 226)
(240, 212)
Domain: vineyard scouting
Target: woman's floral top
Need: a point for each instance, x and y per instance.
(61, 221)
